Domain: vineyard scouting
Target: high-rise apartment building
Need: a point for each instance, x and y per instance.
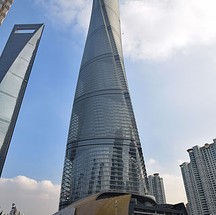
(103, 147)
(4, 8)
(199, 178)
(16, 63)
(156, 188)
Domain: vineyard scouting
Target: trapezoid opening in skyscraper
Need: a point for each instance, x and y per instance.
(103, 148)
(16, 63)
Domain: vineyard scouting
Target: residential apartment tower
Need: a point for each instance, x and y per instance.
(199, 178)
(156, 188)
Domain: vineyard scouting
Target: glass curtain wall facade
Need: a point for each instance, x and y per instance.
(4, 8)
(16, 63)
(103, 147)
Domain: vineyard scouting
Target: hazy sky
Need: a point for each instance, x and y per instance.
(170, 58)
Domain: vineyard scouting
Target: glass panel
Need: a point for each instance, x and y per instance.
(7, 105)
(11, 84)
(26, 54)
(3, 130)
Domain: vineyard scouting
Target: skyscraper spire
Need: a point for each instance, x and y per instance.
(103, 147)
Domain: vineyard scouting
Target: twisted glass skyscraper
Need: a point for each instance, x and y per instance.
(103, 149)
(16, 63)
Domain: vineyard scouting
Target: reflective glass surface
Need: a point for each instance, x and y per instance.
(103, 150)
(15, 67)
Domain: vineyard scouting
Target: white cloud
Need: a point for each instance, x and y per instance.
(151, 161)
(41, 197)
(30, 196)
(181, 161)
(152, 29)
(173, 183)
(67, 12)
(165, 26)
(174, 189)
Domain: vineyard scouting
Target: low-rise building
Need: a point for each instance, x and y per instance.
(115, 203)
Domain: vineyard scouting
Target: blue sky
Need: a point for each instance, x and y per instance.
(40, 135)
(170, 59)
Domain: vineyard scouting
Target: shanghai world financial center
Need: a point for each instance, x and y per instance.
(16, 63)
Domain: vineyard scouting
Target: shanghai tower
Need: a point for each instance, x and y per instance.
(103, 150)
